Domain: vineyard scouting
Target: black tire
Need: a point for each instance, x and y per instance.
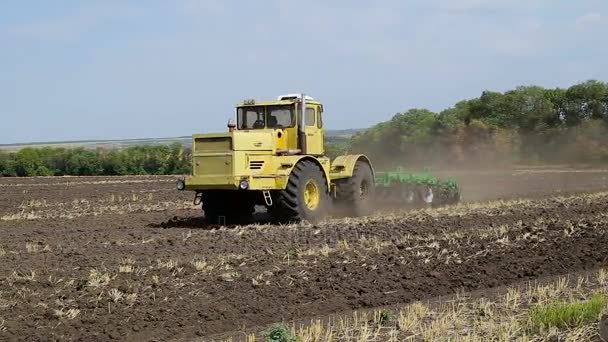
(235, 206)
(424, 191)
(446, 197)
(355, 195)
(290, 205)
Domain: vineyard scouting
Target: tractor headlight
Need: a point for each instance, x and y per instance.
(244, 185)
(181, 185)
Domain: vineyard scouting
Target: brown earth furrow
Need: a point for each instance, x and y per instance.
(122, 275)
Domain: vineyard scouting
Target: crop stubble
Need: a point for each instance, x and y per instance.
(95, 275)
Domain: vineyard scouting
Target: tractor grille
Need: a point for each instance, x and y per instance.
(256, 165)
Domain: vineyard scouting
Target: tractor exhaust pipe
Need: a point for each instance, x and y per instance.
(301, 124)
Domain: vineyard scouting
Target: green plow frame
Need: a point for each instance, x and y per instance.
(400, 188)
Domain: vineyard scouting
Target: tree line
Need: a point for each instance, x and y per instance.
(137, 160)
(529, 124)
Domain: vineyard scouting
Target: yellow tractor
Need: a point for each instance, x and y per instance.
(274, 155)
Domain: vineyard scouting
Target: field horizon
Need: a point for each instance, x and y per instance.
(129, 142)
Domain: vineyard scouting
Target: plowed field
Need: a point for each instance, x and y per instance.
(102, 258)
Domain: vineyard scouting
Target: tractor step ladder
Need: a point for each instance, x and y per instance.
(267, 197)
(221, 220)
(198, 198)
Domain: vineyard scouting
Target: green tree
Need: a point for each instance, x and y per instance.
(532, 110)
(178, 161)
(4, 163)
(81, 162)
(585, 101)
(112, 163)
(493, 109)
(27, 161)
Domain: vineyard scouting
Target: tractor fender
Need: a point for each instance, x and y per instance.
(344, 166)
(290, 162)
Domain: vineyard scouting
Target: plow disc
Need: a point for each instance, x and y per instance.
(402, 189)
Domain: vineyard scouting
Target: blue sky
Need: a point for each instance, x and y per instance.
(125, 69)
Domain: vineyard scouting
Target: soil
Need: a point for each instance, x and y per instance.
(604, 328)
(482, 185)
(171, 277)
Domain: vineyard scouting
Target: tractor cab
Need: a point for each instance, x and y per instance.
(296, 134)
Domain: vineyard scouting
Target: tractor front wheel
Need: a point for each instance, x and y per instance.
(306, 196)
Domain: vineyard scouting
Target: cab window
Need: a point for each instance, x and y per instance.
(280, 117)
(250, 117)
(310, 117)
(320, 120)
(259, 117)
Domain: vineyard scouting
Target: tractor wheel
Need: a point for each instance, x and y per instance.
(356, 194)
(446, 197)
(231, 205)
(213, 205)
(305, 198)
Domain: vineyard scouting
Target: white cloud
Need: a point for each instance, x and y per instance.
(587, 20)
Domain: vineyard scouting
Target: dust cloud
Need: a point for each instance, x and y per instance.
(500, 164)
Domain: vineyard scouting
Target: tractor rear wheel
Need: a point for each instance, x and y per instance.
(355, 195)
(306, 196)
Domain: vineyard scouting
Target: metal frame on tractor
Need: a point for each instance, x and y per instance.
(260, 166)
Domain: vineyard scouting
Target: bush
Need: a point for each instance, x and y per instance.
(385, 317)
(279, 333)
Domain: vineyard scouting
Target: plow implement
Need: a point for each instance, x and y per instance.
(401, 189)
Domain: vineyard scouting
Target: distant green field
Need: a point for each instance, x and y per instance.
(125, 143)
(99, 144)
